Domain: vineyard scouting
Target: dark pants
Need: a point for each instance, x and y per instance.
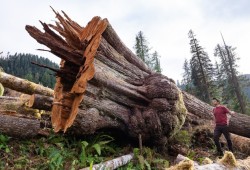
(222, 129)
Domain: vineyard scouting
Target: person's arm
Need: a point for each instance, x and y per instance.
(229, 111)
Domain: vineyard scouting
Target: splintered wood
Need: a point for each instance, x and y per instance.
(77, 50)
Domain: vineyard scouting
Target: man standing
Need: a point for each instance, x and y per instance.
(220, 116)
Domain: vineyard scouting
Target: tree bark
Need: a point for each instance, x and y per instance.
(99, 100)
(23, 86)
(40, 102)
(18, 126)
(123, 94)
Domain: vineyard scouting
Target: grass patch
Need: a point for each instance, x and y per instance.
(58, 151)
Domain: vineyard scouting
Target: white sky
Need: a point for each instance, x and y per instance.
(165, 23)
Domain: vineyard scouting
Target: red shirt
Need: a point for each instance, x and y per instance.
(220, 114)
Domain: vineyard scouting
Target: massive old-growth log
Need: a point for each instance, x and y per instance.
(89, 119)
(123, 93)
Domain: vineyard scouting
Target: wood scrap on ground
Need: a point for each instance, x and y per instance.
(228, 161)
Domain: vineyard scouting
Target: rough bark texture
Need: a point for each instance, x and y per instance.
(19, 126)
(23, 86)
(124, 94)
(91, 118)
(40, 102)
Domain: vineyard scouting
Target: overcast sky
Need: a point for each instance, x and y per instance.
(165, 23)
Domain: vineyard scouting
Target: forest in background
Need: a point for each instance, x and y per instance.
(20, 65)
(221, 79)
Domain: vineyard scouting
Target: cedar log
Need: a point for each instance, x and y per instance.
(19, 126)
(124, 93)
(23, 86)
(97, 104)
(239, 123)
(40, 102)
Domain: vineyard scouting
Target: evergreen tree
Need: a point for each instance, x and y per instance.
(141, 47)
(142, 50)
(201, 69)
(232, 82)
(156, 65)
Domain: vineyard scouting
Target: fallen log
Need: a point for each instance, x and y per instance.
(40, 102)
(23, 86)
(90, 120)
(18, 126)
(124, 93)
(199, 108)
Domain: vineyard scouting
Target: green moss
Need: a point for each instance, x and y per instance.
(180, 112)
(11, 107)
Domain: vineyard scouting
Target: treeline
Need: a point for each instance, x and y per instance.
(20, 65)
(221, 79)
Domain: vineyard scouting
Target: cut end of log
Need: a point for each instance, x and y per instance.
(31, 101)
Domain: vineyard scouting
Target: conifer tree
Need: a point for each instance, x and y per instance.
(141, 47)
(155, 63)
(232, 87)
(201, 69)
(142, 50)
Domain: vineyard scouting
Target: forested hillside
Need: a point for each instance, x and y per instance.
(20, 66)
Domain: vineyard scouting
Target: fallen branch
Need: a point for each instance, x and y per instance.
(112, 164)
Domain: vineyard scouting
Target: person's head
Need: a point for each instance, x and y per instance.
(215, 101)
